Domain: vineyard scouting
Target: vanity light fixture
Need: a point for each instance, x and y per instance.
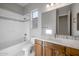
(52, 4)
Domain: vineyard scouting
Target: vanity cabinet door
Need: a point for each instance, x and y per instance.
(72, 52)
(54, 50)
(48, 51)
(38, 50)
(59, 52)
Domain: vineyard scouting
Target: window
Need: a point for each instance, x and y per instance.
(35, 14)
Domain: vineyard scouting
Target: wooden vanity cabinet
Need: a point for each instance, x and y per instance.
(54, 49)
(38, 48)
(72, 51)
(50, 49)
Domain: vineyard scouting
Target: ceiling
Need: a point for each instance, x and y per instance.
(22, 4)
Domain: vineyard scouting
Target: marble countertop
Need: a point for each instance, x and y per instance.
(61, 41)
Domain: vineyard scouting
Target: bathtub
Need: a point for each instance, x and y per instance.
(17, 50)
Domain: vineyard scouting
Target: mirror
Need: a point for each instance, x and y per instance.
(63, 21)
(59, 21)
(49, 23)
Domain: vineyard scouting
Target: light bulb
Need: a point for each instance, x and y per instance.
(52, 4)
(47, 5)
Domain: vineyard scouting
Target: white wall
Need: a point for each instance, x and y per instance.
(49, 21)
(63, 10)
(32, 6)
(11, 32)
(75, 10)
(10, 15)
(27, 29)
(13, 7)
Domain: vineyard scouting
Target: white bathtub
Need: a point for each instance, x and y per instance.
(16, 50)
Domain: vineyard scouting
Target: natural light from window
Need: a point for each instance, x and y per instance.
(48, 31)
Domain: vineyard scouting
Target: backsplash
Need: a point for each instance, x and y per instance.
(67, 37)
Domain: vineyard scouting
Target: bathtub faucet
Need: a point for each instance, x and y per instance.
(25, 36)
